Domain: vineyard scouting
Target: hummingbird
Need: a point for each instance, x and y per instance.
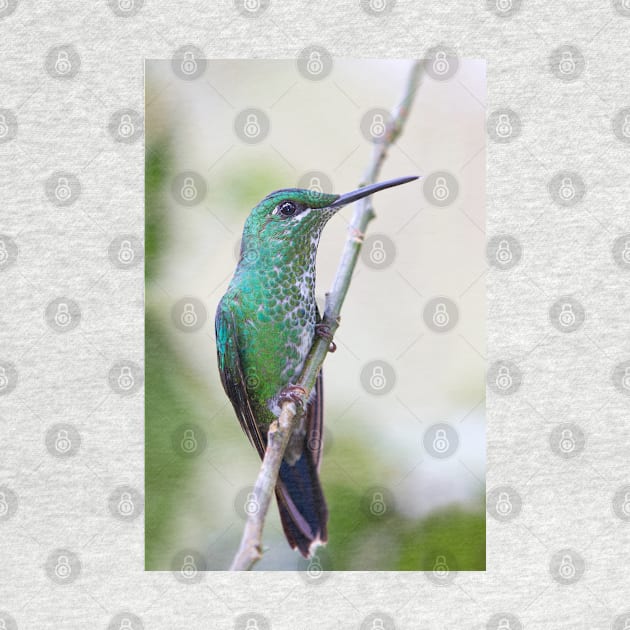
(265, 325)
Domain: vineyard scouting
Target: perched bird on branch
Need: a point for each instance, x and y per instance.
(265, 325)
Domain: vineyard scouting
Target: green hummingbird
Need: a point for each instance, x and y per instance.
(265, 325)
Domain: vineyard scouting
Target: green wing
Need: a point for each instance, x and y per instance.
(233, 378)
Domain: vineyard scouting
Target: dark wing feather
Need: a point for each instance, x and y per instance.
(233, 378)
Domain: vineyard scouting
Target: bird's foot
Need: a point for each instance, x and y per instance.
(323, 331)
(292, 393)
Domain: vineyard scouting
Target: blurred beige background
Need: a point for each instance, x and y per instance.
(432, 250)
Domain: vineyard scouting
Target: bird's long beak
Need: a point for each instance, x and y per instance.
(359, 193)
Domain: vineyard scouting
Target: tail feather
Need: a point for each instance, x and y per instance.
(302, 506)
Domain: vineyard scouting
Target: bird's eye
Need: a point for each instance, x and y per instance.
(286, 208)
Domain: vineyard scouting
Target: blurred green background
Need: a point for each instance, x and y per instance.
(433, 508)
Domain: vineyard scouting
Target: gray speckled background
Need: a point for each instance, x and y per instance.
(557, 437)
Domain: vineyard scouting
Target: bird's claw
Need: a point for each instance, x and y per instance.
(323, 331)
(292, 393)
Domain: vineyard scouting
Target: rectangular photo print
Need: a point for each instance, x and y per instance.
(315, 315)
